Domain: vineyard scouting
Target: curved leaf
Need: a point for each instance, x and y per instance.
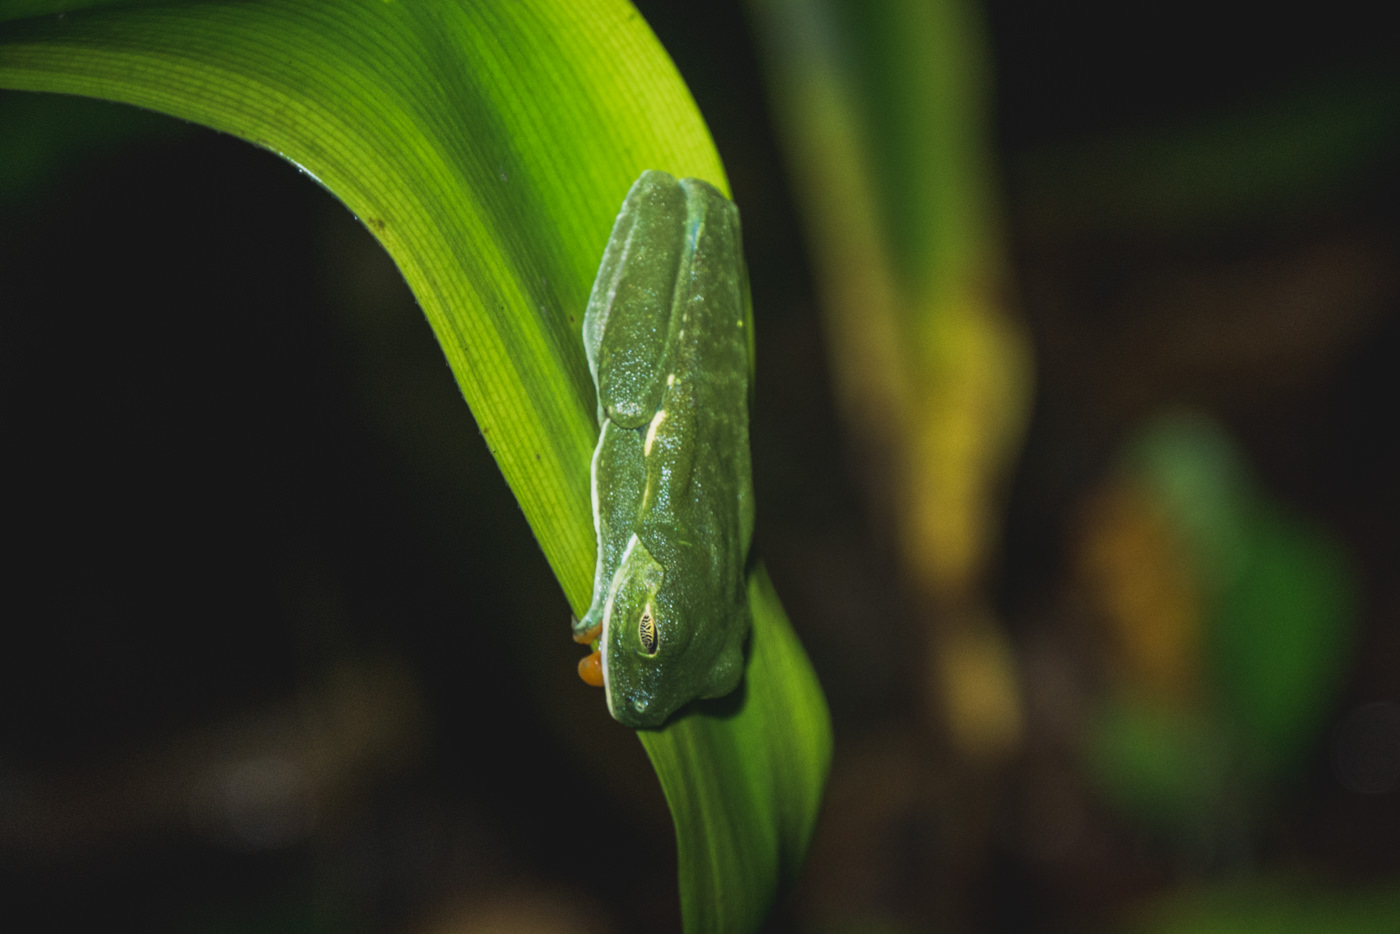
(463, 137)
(487, 146)
(756, 816)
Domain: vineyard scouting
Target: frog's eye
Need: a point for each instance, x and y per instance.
(646, 631)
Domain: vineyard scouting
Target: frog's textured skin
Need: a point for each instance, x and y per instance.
(667, 333)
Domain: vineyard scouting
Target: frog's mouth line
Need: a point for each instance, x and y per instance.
(604, 637)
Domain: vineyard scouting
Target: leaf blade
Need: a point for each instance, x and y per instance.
(487, 147)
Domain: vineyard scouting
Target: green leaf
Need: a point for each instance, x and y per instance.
(487, 146)
(757, 816)
(883, 112)
(1281, 596)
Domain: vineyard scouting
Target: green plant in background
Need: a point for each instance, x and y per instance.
(1230, 621)
(487, 147)
(884, 110)
(1273, 905)
(1299, 148)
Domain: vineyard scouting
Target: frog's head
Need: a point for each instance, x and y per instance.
(655, 657)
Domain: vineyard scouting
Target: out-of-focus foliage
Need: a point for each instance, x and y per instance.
(1226, 622)
(1299, 150)
(883, 110)
(1276, 906)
